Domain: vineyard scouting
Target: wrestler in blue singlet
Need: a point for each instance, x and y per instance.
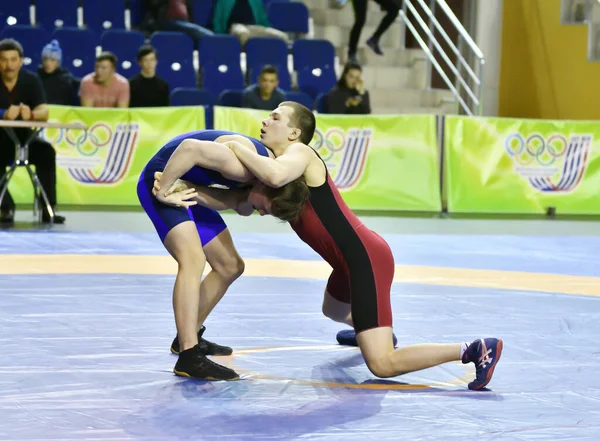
(209, 223)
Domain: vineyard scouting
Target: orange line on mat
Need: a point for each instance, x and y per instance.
(300, 269)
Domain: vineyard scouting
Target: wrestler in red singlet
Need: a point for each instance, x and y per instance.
(362, 262)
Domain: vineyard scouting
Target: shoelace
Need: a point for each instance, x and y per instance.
(485, 357)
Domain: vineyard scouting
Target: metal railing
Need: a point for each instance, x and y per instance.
(467, 86)
(575, 11)
(584, 12)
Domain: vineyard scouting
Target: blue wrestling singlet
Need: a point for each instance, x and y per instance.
(209, 223)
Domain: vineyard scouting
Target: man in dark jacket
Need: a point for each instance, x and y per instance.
(146, 88)
(22, 98)
(59, 84)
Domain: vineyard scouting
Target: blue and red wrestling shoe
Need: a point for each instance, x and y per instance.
(485, 353)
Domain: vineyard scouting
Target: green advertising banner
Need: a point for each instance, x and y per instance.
(497, 165)
(377, 162)
(102, 166)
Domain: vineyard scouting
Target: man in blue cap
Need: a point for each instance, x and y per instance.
(59, 84)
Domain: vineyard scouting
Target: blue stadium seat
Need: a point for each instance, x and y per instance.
(79, 49)
(224, 49)
(32, 39)
(14, 13)
(220, 63)
(263, 50)
(312, 53)
(217, 78)
(300, 97)
(314, 63)
(125, 45)
(51, 14)
(320, 103)
(190, 96)
(175, 52)
(317, 80)
(105, 14)
(289, 16)
(136, 12)
(202, 10)
(230, 98)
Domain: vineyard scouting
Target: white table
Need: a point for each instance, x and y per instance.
(22, 155)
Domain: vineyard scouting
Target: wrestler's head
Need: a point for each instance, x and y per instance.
(289, 123)
(285, 203)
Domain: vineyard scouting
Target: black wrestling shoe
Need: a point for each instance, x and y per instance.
(7, 216)
(194, 363)
(211, 348)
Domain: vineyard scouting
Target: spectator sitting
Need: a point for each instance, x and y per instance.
(244, 19)
(148, 89)
(172, 15)
(22, 98)
(58, 82)
(104, 87)
(349, 96)
(265, 94)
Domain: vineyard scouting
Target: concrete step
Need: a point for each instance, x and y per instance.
(339, 35)
(344, 17)
(444, 109)
(318, 4)
(406, 97)
(382, 77)
(313, 5)
(391, 57)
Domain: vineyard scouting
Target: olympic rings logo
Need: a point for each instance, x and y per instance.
(330, 143)
(535, 147)
(87, 143)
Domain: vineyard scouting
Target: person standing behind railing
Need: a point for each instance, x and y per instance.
(391, 7)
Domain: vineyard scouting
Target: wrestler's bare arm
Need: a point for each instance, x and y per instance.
(280, 171)
(208, 154)
(211, 197)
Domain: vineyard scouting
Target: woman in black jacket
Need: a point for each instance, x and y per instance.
(349, 96)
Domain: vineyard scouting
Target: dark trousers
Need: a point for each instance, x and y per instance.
(42, 155)
(392, 7)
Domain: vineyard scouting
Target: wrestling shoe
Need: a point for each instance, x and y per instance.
(347, 337)
(194, 363)
(211, 348)
(485, 353)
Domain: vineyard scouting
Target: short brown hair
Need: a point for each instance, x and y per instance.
(287, 202)
(9, 44)
(107, 56)
(145, 49)
(302, 119)
(268, 69)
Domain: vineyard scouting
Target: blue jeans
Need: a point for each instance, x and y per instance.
(192, 29)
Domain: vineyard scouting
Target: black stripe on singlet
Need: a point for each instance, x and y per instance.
(362, 278)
